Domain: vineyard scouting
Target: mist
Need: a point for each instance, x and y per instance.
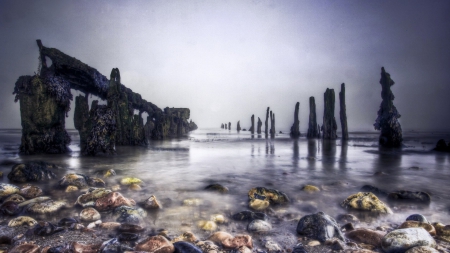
(227, 60)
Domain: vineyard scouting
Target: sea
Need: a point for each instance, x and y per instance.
(176, 170)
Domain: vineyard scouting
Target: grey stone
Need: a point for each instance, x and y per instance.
(401, 240)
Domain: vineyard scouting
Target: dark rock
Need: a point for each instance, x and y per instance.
(299, 248)
(347, 227)
(217, 188)
(45, 229)
(344, 218)
(417, 217)
(329, 126)
(186, 247)
(418, 197)
(113, 246)
(67, 222)
(337, 245)
(374, 190)
(295, 129)
(387, 120)
(32, 172)
(127, 237)
(10, 208)
(312, 124)
(266, 124)
(319, 226)
(249, 216)
(343, 112)
(442, 146)
(130, 228)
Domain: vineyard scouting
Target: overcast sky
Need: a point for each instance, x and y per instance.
(227, 60)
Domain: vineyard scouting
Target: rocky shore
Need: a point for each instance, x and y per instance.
(95, 213)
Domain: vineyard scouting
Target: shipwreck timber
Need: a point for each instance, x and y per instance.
(45, 100)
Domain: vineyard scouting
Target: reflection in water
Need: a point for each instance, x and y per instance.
(312, 151)
(388, 161)
(343, 159)
(270, 147)
(328, 154)
(295, 155)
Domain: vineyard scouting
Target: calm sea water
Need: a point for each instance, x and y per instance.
(179, 169)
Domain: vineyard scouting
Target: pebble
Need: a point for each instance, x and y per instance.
(130, 181)
(258, 204)
(218, 218)
(419, 197)
(22, 220)
(346, 218)
(135, 187)
(186, 247)
(366, 201)
(313, 243)
(110, 225)
(249, 216)
(403, 239)
(319, 226)
(186, 236)
(89, 214)
(16, 198)
(272, 247)
(417, 217)
(259, 226)
(8, 189)
(299, 248)
(155, 244)
(229, 242)
(71, 188)
(31, 191)
(367, 236)
(109, 173)
(207, 225)
(152, 203)
(217, 188)
(414, 224)
(310, 188)
(25, 248)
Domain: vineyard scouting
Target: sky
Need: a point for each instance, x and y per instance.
(227, 60)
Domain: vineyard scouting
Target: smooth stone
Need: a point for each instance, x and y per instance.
(16, 198)
(186, 236)
(259, 226)
(417, 217)
(258, 204)
(89, 214)
(310, 188)
(8, 189)
(46, 207)
(367, 236)
(208, 247)
(271, 195)
(313, 243)
(31, 191)
(415, 224)
(229, 242)
(186, 247)
(135, 187)
(109, 173)
(346, 218)
(218, 218)
(152, 203)
(111, 201)
(207, 225)
(83, 248)
(403, 239)
(88, 199)
(419, 197)
(366, 201)
(67, 221)
(75, 179)
(319, 226)
(110, 225)
(272, 247)
(22, 220)
(441, 229)
(422, 249)
(71, 188)
(10, 208)
(242, 249)
(249, 216)
(130, 181)
(32, 172)
(95, 182)
(217, 188)
(131, 228)
(113, 246)
(156, 244)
